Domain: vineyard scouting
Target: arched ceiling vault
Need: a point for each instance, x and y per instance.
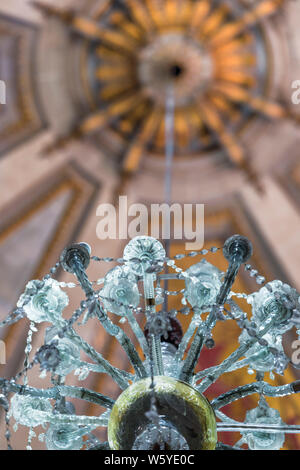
(224, 61)
(97, 79)
(91, 102)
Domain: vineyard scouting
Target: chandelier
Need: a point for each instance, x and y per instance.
(215, 54)
(162, 403)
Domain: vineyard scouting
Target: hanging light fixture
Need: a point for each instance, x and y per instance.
(162, 403)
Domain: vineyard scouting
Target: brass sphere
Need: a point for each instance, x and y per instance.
(179, 404)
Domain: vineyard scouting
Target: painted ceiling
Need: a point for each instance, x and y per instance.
(87, 83)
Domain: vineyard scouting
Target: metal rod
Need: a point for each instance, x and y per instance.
(169, 147)
(169, 143)
(290, 429)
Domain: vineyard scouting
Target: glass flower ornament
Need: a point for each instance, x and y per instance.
(120, 286)
(142, 254)
(278, 299)
(43, 303)
(263, 440)
(69, 353)
(64, 437)
(203, 284)
(30, 411)
(261, 358)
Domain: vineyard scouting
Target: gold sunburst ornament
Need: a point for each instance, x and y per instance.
(213, 54)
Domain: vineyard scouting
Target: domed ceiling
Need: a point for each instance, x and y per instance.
(223, 62)
(87, 83)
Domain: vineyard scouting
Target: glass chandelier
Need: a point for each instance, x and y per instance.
(162, 403)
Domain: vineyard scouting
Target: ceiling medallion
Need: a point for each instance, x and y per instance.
(213, 55)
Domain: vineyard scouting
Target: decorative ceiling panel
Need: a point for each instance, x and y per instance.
(21, 117)
(290, 179)
(221, 61)
(33, 235)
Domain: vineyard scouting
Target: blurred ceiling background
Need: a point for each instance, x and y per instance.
(84, 123)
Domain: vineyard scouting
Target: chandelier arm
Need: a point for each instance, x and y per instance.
(139, 334)
(195, 323)
(239, 443)
(262, 388)
(154, 343)
(241, 427)
(80, 420)
(184, 342)
(155, 346)
(116, 374)
(169, 277)
(100, 446)
(221, 446)
(87, 395)
(101, 370)
(57, 392)
(224, 418)
(236, 256)
(109, 326)
(124, 341)
(13, 317)
(237, 250)
(192, 356)
(132, 321)
(235, 356)
(203, 373)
